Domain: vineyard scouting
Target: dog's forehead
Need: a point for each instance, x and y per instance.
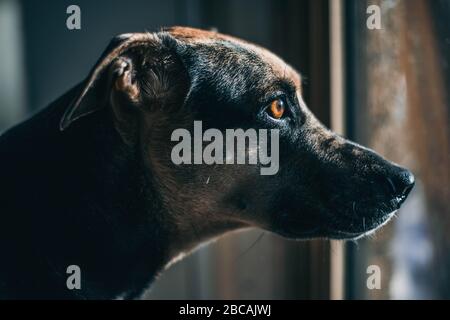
(202, 37)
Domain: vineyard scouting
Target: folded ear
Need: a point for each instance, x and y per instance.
(112, 69)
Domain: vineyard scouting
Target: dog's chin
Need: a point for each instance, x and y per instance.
(358, 228)
(345, 229)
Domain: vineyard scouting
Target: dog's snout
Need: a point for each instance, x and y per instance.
(401, 182)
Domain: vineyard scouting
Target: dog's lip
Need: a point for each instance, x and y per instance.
(350, 235)
(342, 234)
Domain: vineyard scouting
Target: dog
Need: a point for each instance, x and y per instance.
(89, 180)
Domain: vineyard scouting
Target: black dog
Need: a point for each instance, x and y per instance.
(89, 181)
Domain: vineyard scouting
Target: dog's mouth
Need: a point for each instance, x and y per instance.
(352, 224)
(358, 228)
(362, 220)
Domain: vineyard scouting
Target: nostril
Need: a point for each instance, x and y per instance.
(407, 181)
(401, 184)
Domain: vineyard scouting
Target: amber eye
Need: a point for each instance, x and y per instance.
(276, 109)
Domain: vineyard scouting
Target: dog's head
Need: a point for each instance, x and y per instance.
(323, 186)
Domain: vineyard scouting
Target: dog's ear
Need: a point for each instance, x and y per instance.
(94, 93)
(134, 71)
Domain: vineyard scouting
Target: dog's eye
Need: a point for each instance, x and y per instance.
(276, 109)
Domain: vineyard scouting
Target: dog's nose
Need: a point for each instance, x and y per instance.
(401, 183)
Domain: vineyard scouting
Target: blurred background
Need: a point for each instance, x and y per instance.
(387, 88)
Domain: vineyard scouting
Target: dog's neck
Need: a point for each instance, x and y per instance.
(158, 235)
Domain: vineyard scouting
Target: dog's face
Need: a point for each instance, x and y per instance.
(325, 186)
